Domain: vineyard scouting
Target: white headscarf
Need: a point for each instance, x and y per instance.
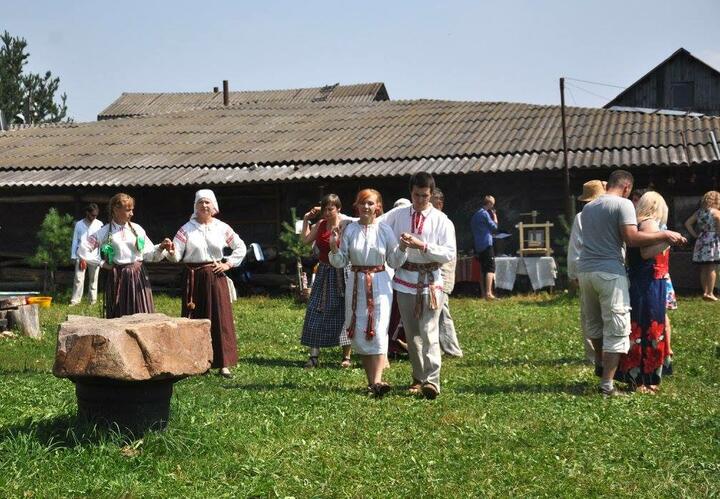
(210, 196)
(401, 203)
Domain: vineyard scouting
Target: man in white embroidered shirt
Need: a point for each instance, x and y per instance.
(430, 240)
(83, 229)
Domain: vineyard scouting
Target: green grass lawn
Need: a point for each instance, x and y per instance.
(518, 416)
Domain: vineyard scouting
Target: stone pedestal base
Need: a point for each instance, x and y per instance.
(128, 406)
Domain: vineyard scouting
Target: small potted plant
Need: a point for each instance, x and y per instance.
(294, 249)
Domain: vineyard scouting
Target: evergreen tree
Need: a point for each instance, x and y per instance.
(22, 92)
(55, 238)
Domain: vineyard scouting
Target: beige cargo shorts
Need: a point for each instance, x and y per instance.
(605, 309)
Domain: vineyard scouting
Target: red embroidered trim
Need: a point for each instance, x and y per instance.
(417, 222)
(181, 235)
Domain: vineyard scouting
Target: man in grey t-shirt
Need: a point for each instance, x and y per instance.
(609, 223)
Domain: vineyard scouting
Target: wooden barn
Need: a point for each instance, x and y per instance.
(682, 82)
(262, 158)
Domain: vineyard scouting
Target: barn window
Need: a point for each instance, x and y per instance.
(683, 94)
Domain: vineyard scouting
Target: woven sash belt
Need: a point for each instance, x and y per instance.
(425, 278)
(368, 271)
(190, 283)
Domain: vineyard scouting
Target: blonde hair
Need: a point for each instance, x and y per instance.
(652, 206)
(711, 199)
(118, 200)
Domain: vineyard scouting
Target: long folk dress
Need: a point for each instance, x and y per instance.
(368, 291)
(643, 363)
(206, 294)
(127, 287)
(325, 314)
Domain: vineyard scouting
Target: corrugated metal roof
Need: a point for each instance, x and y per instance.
(189, 176)
(333, 140)
(141, 104)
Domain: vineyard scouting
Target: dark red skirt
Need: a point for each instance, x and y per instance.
(127, 291)
(211, 297)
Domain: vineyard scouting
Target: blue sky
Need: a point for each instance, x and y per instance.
(491, 51)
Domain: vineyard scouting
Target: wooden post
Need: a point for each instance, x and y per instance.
(566, 169)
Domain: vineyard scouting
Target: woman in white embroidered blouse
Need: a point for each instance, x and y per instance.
(199, 244)
(123, 246)
(368, 245)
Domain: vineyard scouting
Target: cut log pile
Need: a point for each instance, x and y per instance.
(16, 313)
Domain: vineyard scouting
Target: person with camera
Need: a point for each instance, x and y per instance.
(325, 314)
(483, 223)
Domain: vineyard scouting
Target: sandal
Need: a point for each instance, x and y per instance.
(380, 389)
(312, 362)
(414, 388)
(346, 362)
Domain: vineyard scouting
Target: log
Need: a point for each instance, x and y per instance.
(26, 319)
(11, 302)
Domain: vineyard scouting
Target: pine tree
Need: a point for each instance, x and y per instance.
(22, 92)
(55, 238)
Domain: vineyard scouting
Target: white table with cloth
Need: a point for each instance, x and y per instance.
(542, 271)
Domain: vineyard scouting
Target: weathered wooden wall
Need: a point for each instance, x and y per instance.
(655, 89)
(256, 211)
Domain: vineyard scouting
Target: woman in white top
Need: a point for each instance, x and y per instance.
(123, 247)
(199, 244)
(368, 245)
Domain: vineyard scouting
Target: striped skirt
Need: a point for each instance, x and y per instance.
(325, 314)
(127, 291)
(208, 292)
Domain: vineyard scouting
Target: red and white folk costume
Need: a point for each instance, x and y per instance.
(419, 285)
(127, 287)
(368, 290)
(206, 295)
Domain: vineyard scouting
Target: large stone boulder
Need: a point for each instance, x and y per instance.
(133, 348)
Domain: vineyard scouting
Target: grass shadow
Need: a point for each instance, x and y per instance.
(64, 432)
(492, 363)
(272, 362)
(316, 388)
(549, 300)
(577, 388)
(260, 387)
(26, 370)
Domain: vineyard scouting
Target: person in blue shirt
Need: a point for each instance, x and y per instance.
(483, 224)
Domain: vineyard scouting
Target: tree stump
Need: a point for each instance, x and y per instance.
(27, 319)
